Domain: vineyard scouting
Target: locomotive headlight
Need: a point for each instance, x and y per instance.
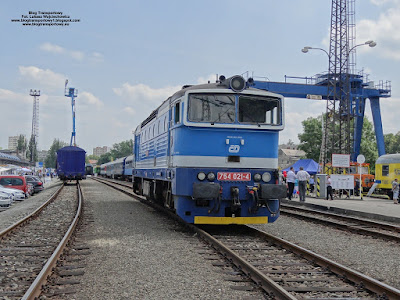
(266, 177)
(237, 83)
(211, 176)
(257, 177)
(201, 176)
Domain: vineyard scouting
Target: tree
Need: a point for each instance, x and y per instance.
(21, 145)
(369, 147)
(311, 138)
(392, 143)
(105, 158)
(51, 158)
(32, 149)
(122, 149)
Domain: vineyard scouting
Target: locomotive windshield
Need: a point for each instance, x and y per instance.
(215, 108)
(220, 108)
(259, 110)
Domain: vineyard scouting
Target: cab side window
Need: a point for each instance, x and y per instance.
(177, 113)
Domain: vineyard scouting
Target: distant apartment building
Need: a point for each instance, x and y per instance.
(99, 151)
(13, 142)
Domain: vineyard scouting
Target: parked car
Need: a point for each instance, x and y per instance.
(5, 199)
(36, 182)
(16, 194)
(15, 182)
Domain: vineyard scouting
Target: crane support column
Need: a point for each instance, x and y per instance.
(376, 116)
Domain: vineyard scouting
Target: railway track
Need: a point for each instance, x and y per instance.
(357, 225)
(284, 270)
(31, 247)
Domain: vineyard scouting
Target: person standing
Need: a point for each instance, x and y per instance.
(302, 176)
(290, 178)
(329, 188)
(395, 189)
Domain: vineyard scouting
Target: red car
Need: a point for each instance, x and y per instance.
(15, 182)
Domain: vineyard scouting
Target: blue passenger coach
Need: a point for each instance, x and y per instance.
(210, 153)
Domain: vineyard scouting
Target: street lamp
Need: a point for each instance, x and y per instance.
(369, 43)
(372, 44)
(307, 48)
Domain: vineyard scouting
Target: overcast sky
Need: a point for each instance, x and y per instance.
(125, 57)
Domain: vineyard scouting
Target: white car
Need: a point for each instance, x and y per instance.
(5, 199)
(16, 194)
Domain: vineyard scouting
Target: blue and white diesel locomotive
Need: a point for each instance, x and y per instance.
(210, 153)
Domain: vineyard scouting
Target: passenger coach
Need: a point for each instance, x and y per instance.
(210, 153)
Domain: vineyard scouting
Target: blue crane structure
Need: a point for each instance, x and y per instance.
(345, 91)
(317, 89)
(72, 93)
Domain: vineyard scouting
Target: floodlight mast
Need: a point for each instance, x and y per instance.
(35, 123)
(72, 93)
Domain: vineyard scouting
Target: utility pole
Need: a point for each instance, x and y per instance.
(35, 123)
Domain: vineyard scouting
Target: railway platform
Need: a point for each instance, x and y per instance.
(372, 208)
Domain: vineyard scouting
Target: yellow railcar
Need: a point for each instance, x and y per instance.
(387, 168)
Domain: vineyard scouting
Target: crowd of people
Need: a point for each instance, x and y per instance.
(299, 180)
(297, 184)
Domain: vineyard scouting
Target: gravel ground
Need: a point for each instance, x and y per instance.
(373, 257)
(136, 253)
(20, 209)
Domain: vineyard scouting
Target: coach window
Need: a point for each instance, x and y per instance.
(385, 170)
(177, 113)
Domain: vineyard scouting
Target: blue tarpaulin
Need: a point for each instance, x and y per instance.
(308, 165)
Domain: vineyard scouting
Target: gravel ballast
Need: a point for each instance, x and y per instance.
(138, 253)
(20, 209)
(373, 257)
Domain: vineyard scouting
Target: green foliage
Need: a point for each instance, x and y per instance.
(105, 158)
(50, 161)
(122, 149)
(311, 138)
(119, 150)
(392, 143)
(21, 144)
(369, 147)
(32, 149)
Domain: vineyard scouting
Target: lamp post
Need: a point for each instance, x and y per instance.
(369, 43)
(307, 48)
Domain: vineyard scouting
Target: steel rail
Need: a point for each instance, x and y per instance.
(35, 213)
(268, 284)
(351, 227)
(263, 281)
(356, 277)
(35, 289)
(364, 221)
